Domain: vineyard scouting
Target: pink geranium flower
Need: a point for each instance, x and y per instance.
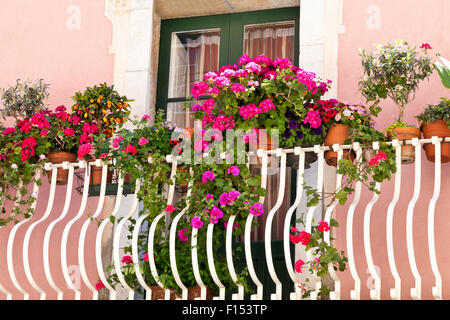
(182, 235)
(313, 118)
(83, 150)
(99, 285)
(323, 226)
(145, 257)
(170, 208)
(129, 149)
(196, 222)
(234, 170)
(142, 141)
(127, 259)
(208, 175)
(298, 265)
(257, 209)
(69, 131)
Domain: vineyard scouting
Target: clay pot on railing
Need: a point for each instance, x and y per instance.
(405, 133)
(96, 175)
(62, 175)
(193, 293)
(439, 129)
(337, 134)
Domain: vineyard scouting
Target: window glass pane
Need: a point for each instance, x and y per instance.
(182, 117)
(193, 53)
(274, 40)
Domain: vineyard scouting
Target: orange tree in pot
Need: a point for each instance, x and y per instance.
(102, 111)
(435, 121)
(394, 71)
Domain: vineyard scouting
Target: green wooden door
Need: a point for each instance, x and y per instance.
(231, 35)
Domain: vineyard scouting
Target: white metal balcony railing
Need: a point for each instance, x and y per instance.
(20, 252)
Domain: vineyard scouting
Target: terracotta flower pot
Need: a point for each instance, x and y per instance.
(406, 133)
(439, 129)
(96, 175)
(194, 292)
(338, 133)
(62, 174)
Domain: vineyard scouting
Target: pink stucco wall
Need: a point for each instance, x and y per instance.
(41, 39)
(37, 43)
(366, 23)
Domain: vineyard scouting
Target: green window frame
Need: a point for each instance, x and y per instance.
(231, 40)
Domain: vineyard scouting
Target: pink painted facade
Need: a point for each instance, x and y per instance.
(366, 23)
(40, 42)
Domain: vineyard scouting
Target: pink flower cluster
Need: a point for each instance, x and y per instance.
(375, 161)
(249, 111)
(215, 214)
(182, 235)
(257, 209)
(196, 222)
(302, 237)
(208, 175)
(313, 118)
(228, 198)
(223, 122)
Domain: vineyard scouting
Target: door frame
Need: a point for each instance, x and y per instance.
(232, 34)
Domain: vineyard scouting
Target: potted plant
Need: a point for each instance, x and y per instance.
(435, 121)
(394, 71)
(102, 111)
(63, 132)
(261, 94)
(24, 99)
(342, 119)
(23, 150)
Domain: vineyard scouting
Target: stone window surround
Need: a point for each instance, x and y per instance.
(135, 44)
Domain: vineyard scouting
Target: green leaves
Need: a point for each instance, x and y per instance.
(393, 71)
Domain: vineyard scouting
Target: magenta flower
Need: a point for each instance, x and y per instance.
(237, 87)
(313, 118)
(142, 141)
(69, 131)
(257, 209)
(267, 105)
(9, 130)
(234, 170)
(215, 214)
(253, 66)
(83, 150)
(196, 222)
(208, 175)
(199, 89)
(182, 235)
(116, 141)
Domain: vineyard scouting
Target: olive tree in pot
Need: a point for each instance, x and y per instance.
(394, 71)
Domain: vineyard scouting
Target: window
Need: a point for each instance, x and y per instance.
(191, 47)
